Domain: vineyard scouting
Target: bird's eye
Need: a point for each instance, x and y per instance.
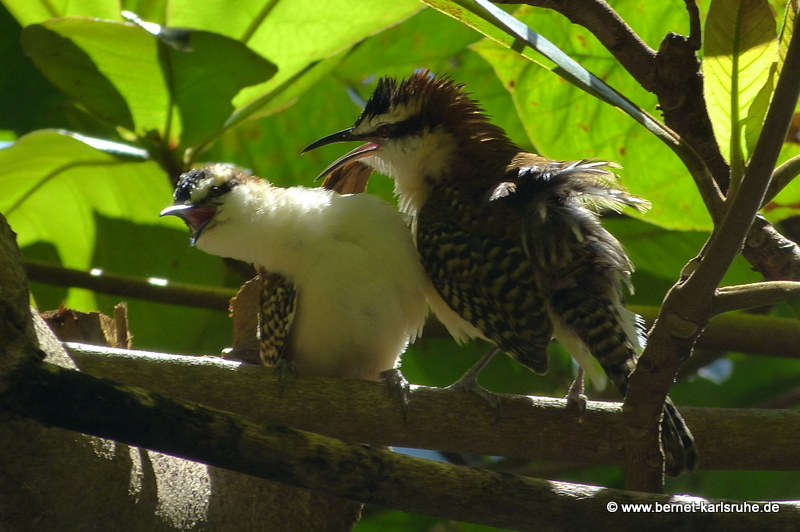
(218, 190)
(383, 130)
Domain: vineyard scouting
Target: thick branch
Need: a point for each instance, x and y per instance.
(80, 402)
(438, 419)
(689, 305)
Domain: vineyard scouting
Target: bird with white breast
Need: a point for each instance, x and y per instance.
(351, 295)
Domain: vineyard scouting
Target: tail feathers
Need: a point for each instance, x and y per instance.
(680, 453)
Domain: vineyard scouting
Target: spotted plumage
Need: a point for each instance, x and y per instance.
(511, 240)
(278, 307)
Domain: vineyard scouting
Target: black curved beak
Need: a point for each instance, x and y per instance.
(346, 135)
(196, 217)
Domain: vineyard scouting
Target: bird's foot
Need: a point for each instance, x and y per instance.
(284, 367)
(576, 399)
(470, 382)
(398, 385)
(577, 402)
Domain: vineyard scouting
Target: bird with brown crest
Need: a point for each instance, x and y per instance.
(511, 240)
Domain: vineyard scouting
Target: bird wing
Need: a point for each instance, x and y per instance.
(594, 184)
(485, 279)
(277, 311)
(579, 264)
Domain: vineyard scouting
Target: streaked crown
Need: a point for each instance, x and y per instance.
(422, 103)
(206, 184)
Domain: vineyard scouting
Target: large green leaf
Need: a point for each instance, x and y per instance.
(98, 210)
(271, 145)
(27, 100)
(59, 50)
(564, 122)
(740, 56)
(33, 11)
(291, 33)
(54, 183)
(128, 77)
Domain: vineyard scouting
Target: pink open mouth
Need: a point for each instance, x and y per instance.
(196, 217)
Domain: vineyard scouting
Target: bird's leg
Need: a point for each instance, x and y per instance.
(284, 367)
(575, 396)
(469, 381)
(398, 385)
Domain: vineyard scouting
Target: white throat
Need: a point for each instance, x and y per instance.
(269, 226)
(415, 163)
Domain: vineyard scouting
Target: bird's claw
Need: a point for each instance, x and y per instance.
(469, 382)
(576, 399)
(398, 385)
(578, 402)
(284, 367)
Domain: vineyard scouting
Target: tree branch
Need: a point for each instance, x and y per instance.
(689, 305)
(610, 29)
(753, 334)
(674, 76)
(782, 176)
(77, 401)
(438, 419)
(128, 286)
(743, 333)
(729, 298)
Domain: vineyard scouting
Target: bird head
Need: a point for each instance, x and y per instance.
(413, 124)
(200, 195)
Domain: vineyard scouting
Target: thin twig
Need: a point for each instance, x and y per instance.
(126, 286)
(782, 176)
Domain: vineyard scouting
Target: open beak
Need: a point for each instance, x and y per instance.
(196, 217)
(346, 135)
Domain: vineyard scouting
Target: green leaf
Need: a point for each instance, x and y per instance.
(54, 183)
(566, 123)
(206, 80)
(128, 77)
(739, 56)
(105, 66)
(787, 31)
(84, 208)
(75, 72)
(33, 11)
(291, 33)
